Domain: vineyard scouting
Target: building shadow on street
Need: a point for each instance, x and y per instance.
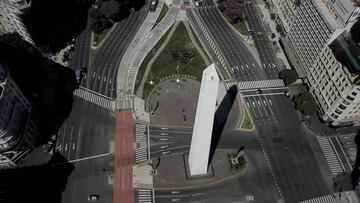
(356, 171)
(221, 116)
(53, 24)
(48, 86)
(40, 184)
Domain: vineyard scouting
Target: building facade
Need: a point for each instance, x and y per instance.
(286, 11)
(22, 5)
(17, 130)
(10, 20)
(317, 30)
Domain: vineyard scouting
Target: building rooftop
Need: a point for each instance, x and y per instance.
(346, 48)
(328, 14)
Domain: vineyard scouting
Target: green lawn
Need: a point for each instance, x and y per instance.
(241, 27)
(199, 43)
(247, 122)
(109, 8)
(165, 65)
(98, 38)
(164, 10)
(147, 59)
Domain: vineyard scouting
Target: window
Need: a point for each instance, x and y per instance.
(342, 107)
(353, 93)
(345, 102)
(338, 111)
(334, 116)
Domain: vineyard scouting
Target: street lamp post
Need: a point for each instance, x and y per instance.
(178, 76)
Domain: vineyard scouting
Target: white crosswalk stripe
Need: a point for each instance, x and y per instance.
(322, 199)
(210, 40)
(141, 155)
(94, 97)
(123, 104)
(260, 84)
(141, 133)
(145, 196)
(330, 156)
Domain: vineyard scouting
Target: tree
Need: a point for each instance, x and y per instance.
(272, 16)
(95, 13)
(289, 76)
(15, 40)
(297, 3)
(305, 103)
(233, 10)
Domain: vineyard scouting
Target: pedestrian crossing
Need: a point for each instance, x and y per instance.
(141, 155)
(257, 84)
(330, 155)
(261, 84)
(322, 199)
(269, 65)
(141, 133)
(145, 196)
(94, 97)
(122, 104)
(203, 7)
(210, 41)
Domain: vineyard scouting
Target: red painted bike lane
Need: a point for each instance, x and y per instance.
(124, 155)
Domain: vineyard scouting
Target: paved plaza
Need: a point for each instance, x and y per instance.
(174, 104)
(219, 170)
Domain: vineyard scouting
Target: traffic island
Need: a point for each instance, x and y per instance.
(172, 172)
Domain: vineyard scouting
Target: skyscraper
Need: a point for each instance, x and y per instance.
(17, 130)
(10, 21)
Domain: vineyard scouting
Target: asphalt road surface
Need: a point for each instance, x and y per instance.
(81, 55)
(102, 76)
(84, 139)
(291, 159)
(256, 182)
(230, 44)
(262, 41)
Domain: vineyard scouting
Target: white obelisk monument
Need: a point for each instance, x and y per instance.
(204, 119)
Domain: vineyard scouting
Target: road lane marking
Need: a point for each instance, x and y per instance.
(184, 132)
(71, 135)
(90, 157)
(263, 94)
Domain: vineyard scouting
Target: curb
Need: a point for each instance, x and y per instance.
(103, 40)
(207, 184)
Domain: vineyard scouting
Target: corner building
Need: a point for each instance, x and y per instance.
(10, 20)
(323, 36)
(17, 130)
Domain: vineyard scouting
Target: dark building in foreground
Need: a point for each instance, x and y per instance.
(17, 130)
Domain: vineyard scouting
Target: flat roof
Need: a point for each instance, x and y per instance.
(343, 8)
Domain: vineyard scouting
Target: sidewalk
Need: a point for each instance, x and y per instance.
(178, 177)
(139, 112)
(314, 124)
(271, 24)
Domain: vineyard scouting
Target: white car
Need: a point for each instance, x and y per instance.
(93, 197)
